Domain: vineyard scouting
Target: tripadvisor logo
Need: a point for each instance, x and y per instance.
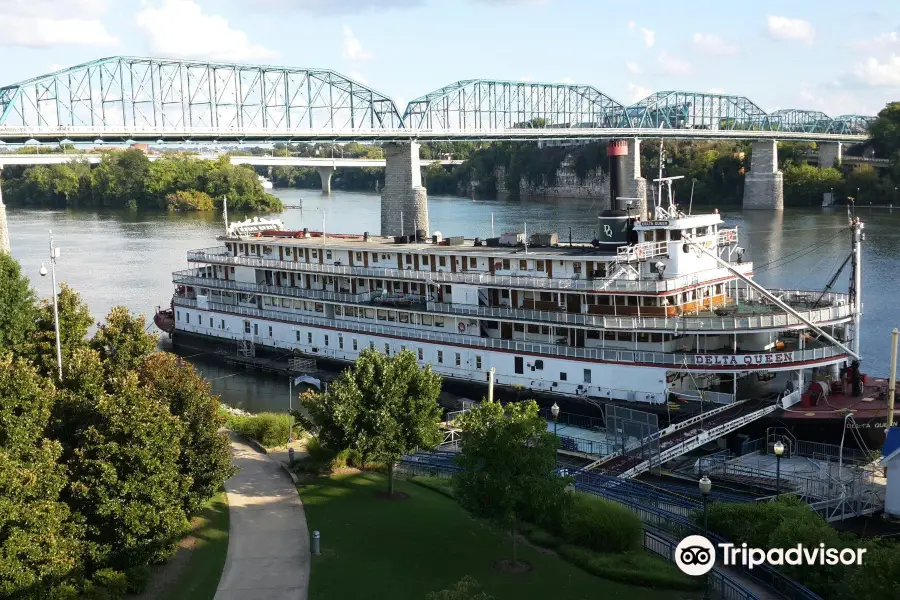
(695, 555)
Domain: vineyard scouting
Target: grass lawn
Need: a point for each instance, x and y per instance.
(374, 548)
(199, 577)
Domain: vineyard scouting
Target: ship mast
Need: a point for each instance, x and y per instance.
(856, 227)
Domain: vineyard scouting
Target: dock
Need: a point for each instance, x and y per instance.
(290, 367)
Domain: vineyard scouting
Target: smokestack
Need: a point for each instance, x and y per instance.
(616, 151)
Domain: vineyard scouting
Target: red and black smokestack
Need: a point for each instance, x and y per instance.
(616, 151)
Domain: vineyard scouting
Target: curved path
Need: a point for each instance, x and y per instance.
(268, 543)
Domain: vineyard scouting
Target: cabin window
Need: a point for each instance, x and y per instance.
(649, 301)
(592, 334)
(534, 328)
(341, 342)
(408, 259)
(392, 315)
(563, 377)
(425, 259)
(458, 359)
(246, 326)
(539, 365)
(632, 301)
(359, 257)
(643, 337)
(518, 327)
(540, 265)
(676, 234)
(442, 261)
(371, 345)
(625, 336)
(187, 317)
(421, 354)
(315, 254)
(439, 321)
(506, 264)
(477, 362)
(320, 307)
(523, 265)
(504, 293)
(473, 262)
(297, 335)
(382, 315)
(546, 297)
(609, 336)
(374, 257)
(270, 331)
(440, 356)
(210, 321)
(545, 329)
(404, 317)
(326, 339)
(387, 349)
(660, 235)
(587, 375)
(355, 345)
(427, 320)
(309, 337)
(656, 337)
(701, 231)
(576, 267)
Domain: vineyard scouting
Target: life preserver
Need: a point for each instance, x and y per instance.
(461, 327)
(498, 265)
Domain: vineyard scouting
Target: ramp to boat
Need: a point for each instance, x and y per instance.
(681, 438)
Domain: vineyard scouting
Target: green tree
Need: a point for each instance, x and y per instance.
(121, 178)
(382, 407)
(885, 130)
(464, 589)
(122, 452)
(508, 461)
(122, 342)
(74, 321)
(804, 184)
(39, 539)
(205, 456)
(17, 306)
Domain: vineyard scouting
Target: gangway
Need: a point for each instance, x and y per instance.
(680, 438)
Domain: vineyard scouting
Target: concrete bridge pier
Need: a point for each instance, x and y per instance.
(404, 201)
(325, 174)
(764, 183)
(4, 230)
(830, 154)
(634, 184)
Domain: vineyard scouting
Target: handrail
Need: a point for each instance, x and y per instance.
(661, 359)
(181, 277)
(221, 255)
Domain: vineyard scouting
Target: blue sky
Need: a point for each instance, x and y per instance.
(838, 57)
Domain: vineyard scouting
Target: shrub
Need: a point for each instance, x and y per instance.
(441, 485)
(107, 584)
(601, 525)
(633, 568)
(269, 429)
(348, 457)
(540, 537)
(318, 453)
(138, 579)
(189, 200)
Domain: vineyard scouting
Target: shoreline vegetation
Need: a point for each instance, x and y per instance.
(128, 179)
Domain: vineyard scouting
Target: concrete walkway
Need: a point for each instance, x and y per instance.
(268, 544)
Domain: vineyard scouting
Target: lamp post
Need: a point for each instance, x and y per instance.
(778, 448)
(705, 489)
(554, 410)
(54, 254)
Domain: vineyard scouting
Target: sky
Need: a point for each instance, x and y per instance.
(836, 57)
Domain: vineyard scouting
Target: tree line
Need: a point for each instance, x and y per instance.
(128, 179)
(100, 470)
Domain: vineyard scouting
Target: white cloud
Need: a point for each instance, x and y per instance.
(713, 45)
(636, 92)
(672, 65)
(876, 73)
(885, 40)
(357, 77)
(833, 102)
(179, 28)
(787, 29)
(44, 23)
(633, 67)
(330, 7)
(352, 48)
(648, 34)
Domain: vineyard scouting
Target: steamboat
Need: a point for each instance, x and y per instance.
(660, 310)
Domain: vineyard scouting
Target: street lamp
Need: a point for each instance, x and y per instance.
(778, 448)
(54, 254)
(554, 410)
(705, 489)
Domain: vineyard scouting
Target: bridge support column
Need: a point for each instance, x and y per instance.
(325, 175)
(404, 201)
(764, 183)
(4, 230)
(830, 154)
(633, 185)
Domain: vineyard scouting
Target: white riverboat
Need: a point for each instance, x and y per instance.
(658, 305)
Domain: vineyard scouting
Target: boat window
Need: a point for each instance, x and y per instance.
(442, 261)
(632, 301)
(563, 376)
(545, 329)
(587, 375)
(593, 334)
(477, 362)
(309, 337)
(408, 258)
(439, 321)
(315, 254)
(473, 262)
(387, 349)
(576, 267)
(649, 301)
(656, 337)
(421, 354)
(382, 315)
(539, 365)
(320, 307)
(643, 337)
(625, 336)
(534, 328)
(506, 264)
(297, 335)
(328, 254)
(523, 265)
(660, 235)
(326, 339)
(404, 317)
(518, 327)
(427, 320)
(371, 345)
(440, 356)
(177, 315)
(374, 257)
(359, 257)
(187, 317)
(458, 359)
(341, 342)
(355, 344)
(392, 315)
(504, 293)
(701, 231)
(425, 259)
(540, 265)
(676, 234)
(609, 335)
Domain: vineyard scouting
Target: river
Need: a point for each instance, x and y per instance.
(124, 258)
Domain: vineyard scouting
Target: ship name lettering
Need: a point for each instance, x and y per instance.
(748, 360)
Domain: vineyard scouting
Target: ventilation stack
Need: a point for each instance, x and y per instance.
(615, 224)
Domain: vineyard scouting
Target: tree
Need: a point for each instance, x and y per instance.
(381, 407)
(17, 306)
(123, 342)
(464, 589)
(205, 453)
(122, 452)
(508, 461)
(39, 539)
(885, 130)
(74, 321)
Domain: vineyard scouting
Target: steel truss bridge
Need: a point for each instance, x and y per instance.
(123, 99)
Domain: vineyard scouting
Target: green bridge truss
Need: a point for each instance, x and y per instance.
(181, 94)
(156, 92)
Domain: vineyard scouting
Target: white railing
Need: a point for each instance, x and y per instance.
(221, 255)
(696, 441)
(727, 237)
(261, 288)
(641, 251)
(660, 359)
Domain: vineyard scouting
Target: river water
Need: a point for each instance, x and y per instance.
(123, 258)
